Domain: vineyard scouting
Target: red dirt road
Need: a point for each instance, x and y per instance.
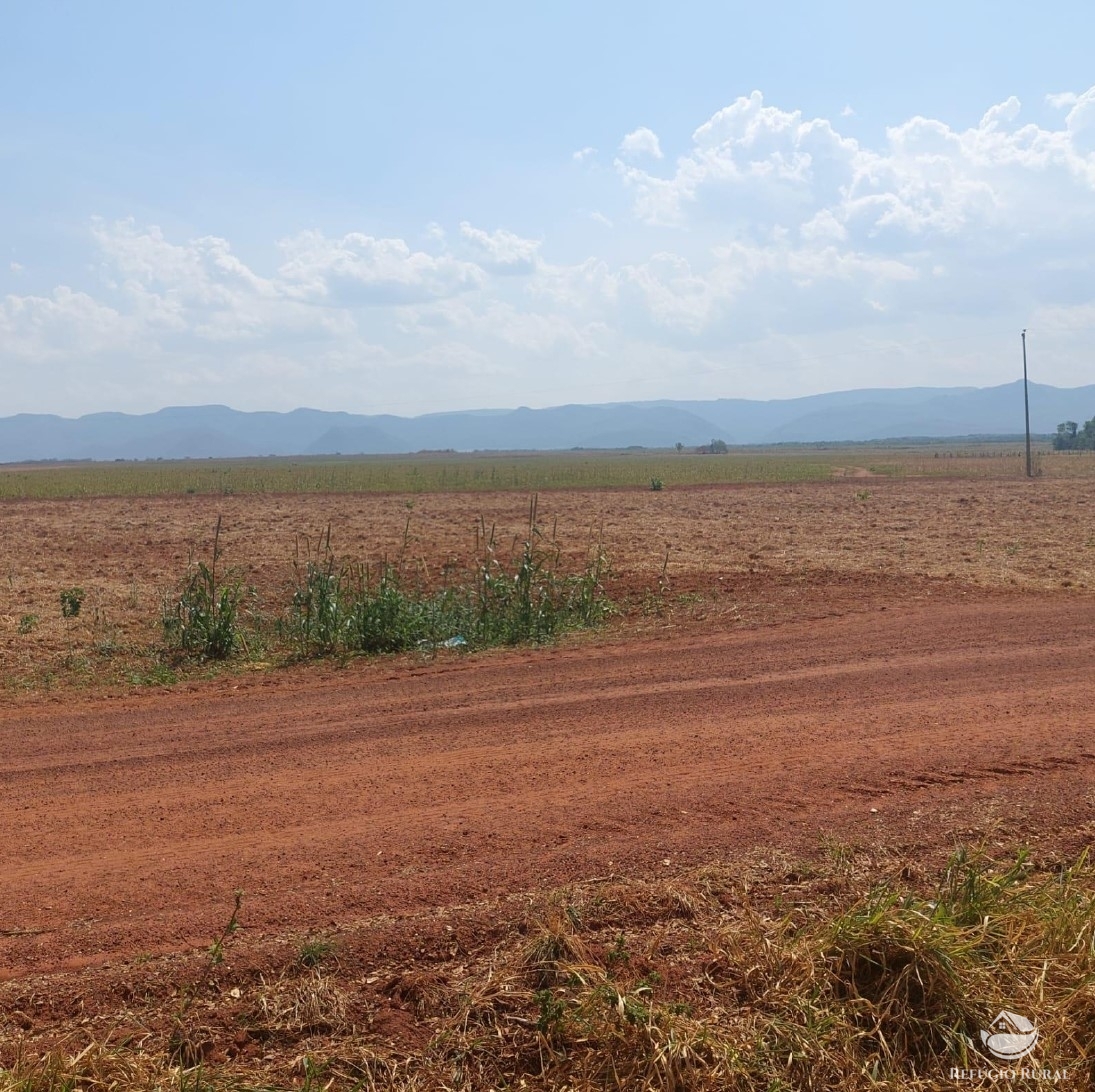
(333, 796)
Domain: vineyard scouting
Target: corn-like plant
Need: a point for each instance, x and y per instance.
(317, 613)
(203, 619)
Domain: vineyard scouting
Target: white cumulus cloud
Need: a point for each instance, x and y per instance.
(641, 142)
(775, 239)
(1061, 99)
(361, 269)
(500, 251)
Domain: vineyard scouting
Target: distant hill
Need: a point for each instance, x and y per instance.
(217, 431)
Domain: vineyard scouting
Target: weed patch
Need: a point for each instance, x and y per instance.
(499, 597)
(72, 599)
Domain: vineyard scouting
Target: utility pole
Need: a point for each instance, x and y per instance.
(1026, 404)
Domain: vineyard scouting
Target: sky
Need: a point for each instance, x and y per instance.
(417, 207)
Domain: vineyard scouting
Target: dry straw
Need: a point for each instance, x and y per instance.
(788, 976)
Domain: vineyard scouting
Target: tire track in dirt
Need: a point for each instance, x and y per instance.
(335, 795)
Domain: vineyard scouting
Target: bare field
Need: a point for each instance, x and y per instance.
(642, 857)
(746, 551)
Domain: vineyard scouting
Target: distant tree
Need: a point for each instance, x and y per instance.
(680, 447)
(716, 447)
(1070, 437)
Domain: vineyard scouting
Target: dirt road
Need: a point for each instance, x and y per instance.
(128, 823)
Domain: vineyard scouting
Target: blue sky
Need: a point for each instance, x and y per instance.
(423, 206)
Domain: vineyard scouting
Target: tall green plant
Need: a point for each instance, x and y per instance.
(386, 616)
(527, 597)
(203, 619)
(502, 598)
(317, 613)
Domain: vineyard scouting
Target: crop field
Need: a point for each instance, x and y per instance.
(488, 472)
(778, 775)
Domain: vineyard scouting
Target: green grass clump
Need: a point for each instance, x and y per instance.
(500, 598)
(314, 950)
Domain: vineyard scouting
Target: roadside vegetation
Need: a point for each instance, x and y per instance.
(120, 591)
(116, 592)
(847, 970)
(503, 594)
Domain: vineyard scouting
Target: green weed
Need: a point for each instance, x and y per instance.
(72, 599)
(158, 675)
(315, 950)
(498, 598)
(203, 619)
(186, 1041)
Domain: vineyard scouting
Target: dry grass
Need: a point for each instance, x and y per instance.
(838, 975)
(314, 1005)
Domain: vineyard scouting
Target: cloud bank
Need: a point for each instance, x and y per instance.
(777, 255)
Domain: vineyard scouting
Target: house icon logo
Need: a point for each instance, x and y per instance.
(1010, 1036)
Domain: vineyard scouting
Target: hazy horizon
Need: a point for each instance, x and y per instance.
(498, 409)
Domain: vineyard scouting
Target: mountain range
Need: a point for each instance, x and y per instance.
(217, 431)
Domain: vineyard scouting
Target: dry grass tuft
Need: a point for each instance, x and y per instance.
(313, 1005)
(841, 977)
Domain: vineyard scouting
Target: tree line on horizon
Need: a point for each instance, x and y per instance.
(1071, 437)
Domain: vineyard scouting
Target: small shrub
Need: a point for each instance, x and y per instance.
(657, 485)
(552, 1012)
(28, 623)
(618, 953)
(72, 599)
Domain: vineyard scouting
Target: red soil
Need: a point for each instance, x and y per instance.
(332, 795)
